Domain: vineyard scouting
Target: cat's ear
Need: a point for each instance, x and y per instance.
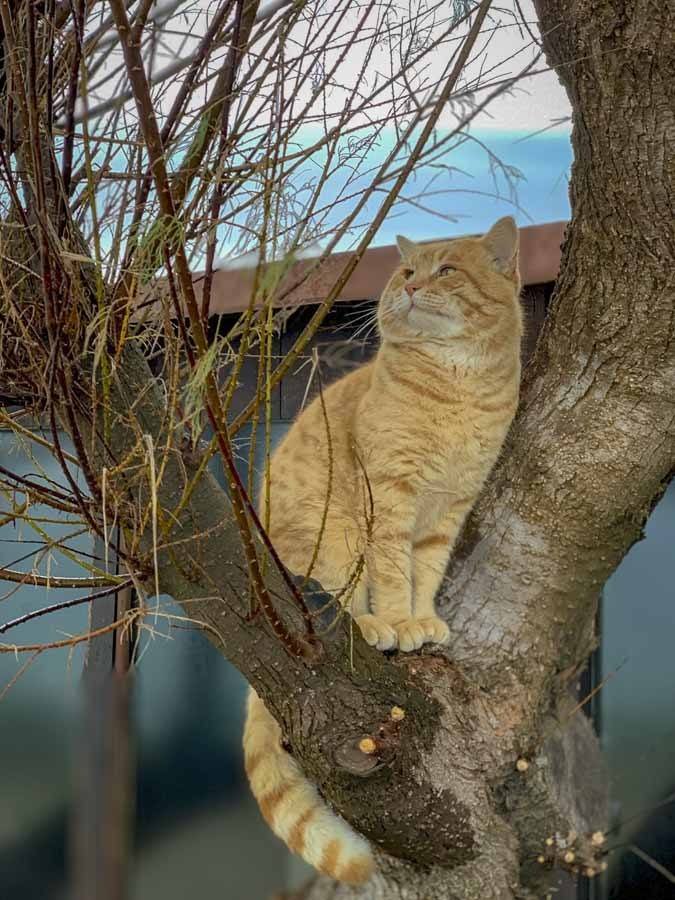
(405, 247)
(502, 243)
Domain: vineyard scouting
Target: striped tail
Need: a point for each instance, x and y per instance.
(292, 806)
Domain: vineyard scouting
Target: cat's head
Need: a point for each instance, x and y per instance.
(457, 290)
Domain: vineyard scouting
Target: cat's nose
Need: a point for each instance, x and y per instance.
(411, 287)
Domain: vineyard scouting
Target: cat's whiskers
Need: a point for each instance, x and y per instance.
(365, 330)
(393, 310)
(357, 315)
(368, 325)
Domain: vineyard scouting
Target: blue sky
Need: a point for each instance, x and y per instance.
(469, 197)
(491, 173)
(475, 194)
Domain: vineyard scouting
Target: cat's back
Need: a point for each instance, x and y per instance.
(318, 448)
(330, 415)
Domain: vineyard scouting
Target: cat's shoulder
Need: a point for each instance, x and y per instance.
(355, 382)
(343, 394)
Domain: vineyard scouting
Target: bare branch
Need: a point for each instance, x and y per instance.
(50, 581)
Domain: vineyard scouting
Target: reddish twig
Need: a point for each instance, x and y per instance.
(139, 83)
(126, 621)
(242, 29)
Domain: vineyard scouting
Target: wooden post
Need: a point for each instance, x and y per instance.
(104, 777)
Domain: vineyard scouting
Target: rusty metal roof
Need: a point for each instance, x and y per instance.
(231, 288)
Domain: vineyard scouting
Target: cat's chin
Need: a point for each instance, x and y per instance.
(427, 325)
(432, 339)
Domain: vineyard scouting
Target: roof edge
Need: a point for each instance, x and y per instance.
(540, 253)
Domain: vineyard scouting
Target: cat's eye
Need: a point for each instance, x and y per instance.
(408, 273)
(446, 270)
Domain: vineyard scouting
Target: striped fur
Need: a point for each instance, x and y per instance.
(292, 807)
(382, 475)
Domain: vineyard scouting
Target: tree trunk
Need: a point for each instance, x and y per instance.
(591, 452)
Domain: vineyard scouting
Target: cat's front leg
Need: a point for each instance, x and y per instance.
(388, 552)
(430, 560)
(431, 553)
(389, 570)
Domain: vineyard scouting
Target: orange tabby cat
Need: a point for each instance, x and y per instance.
(371, 492)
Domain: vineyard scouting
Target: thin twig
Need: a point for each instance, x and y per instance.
(66, 604)
(50, 581)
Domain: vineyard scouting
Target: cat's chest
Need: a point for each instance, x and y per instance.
(450, 443)
(452, 456)
(455, 435)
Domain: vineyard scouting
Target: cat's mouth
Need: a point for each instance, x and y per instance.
(428, 309)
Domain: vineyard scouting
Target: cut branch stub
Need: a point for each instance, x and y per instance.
(353, 758)
(378, 772)
(368, 754)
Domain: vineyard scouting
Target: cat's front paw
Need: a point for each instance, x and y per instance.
(411, 635)
(377, 632)
(435, 630)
